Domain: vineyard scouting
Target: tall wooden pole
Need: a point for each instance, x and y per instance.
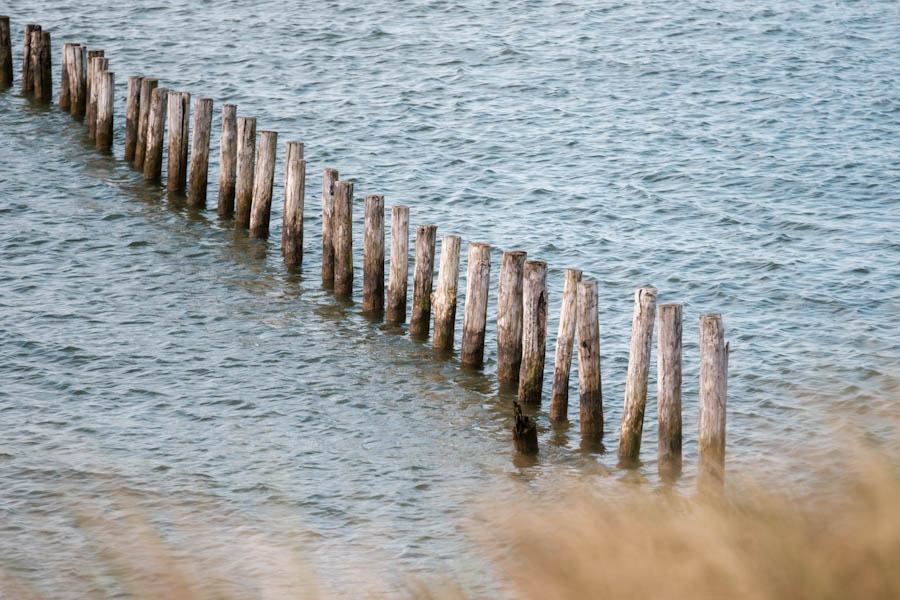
(156, 129)
(423, 279)
(399, 281)
(179, 122)
(132, 114)
(444, 303)
(6, 63)
(97, 65)
(105, 108)
(373, 255)
(668, 386)
(294, 195)
(65, 93)
(264, 181)
(478, 281)
(713, 392)
(509, 316)
(638, 371)
(227, 161)
(589, 382)
(329, 179)
(140, 150)
(343, 239)
(27, 72)
(246, 164)
(559, 396)
(203, 109)
(534, 331)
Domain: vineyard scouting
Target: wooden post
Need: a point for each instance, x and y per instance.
(565, 337)
(478, 281)
(65, 93)
(668, 394)
(423, 279)
(37, 76)
(524, 432)
(77, 83)
(27, 73)
(227, 160)
(444, 301)
(46, 91)
(294, 196)
(203, 108)
(713, 391)
(132, 114)
(98, 65)
(373, 255)
(91, 55)
(589, 382)
(329, 179)
(509, 316)
(399, 281)
(246, 161)
(343, 239)
(179, 117)
(534, 331)
(638, 370)
(293, 151)
(6, 66)
(140, 151)
(156, 129)
(263, 182)
(106, 98)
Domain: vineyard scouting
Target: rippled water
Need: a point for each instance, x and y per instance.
(742, 157)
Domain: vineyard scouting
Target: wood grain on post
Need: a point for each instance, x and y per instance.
(423, 279)
(590, 390)
(27, 73)
(329, 179)
(6, 64)
(227, 160)
(37, 76)
(478, 281)
(713, 392)
(524, 431)
(373, 255)
(444, 301)
(98, 65)
(263, 182)
(179, 119)
(246, 163)
(399, 279)
(509, 316)
(565, 338)
(132, 114)
(294, 195)
(632, 425)
(293, 151)
(106, 99)
(156, 129)
(668, 394)
(46, 93)
(65, 94)
(203, 108)
(140, 151)
(534, 331)
(91, 55)
(343, 239)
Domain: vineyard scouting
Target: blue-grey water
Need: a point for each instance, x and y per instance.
(742, 157)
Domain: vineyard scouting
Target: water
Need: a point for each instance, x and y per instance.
(741, 159)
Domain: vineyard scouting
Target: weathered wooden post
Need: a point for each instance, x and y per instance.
(399, 280)
(423, 279)
(27, 72)
(534, 331)
(179, 119)
(559, 396)
(509, 316)
(668, 395)
(37, 75)
(45, 94)
(373, 255)
(589, 382)
(713, 391)
(203, 108)
(6, 66)
(98, 65)
(444, 302)
(263, 182)
(140, 151)
(65, 93)
(246, 162)
(343, 239)
(294, 195)
(91, 55)
(293, 151)
(77, 81)
(478, 281)
(106, 100)
(524, 431)
(227, 160)
(329, 179)
(132, 114)
(156, 129)
(638, 370)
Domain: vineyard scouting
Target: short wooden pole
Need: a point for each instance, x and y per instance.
(478, 281)
(105, 108)
(246, 163)
(140, 151)
(423, 279)
(99, 64)
(65, 93)
(444, 302)
(227, 161)
(27, 72)
(399, 279)
(132, 114)
(343, 239)
(294, 199)
(91, 55)
(509, 316)
(46, 91)
(589, 381)
(6, 62)
(156, 129)
(37, 76)
(179, 118)
(77, 81)
(668, 395)
(329, 179)
(534, 331)
(263, 182)
(565, 338)
(373, 255)
(203, 108)
(638, 371)
(713, 391)
(524, 432)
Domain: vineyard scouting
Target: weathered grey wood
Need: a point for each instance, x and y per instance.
(6, 63)
(179, 119)
(399, 279)
(203, 109)
(373, 255)
(638, 371)
(132, 114)
(444, 300)
(565, 338)
(91, 55)
(668, 386)
(590, 390)
(77, 81)
(156, 129)
(27, 72)
(343, 239)
(509, 316)
(524, 431)
(45, 94)
(227, 160)
(37, 76)
(294, 199)
(106, 82)
(263, 182)
(423, 279)
(140, 151)
(293, 151)
(713, 392)
(329, 178)
(98, 65)
(478, 281)
(246, 163)
(65, 94)
(534, 331)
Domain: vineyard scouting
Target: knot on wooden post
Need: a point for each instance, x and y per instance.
(524, 431)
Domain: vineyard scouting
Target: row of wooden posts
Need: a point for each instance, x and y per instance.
(246, 179)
